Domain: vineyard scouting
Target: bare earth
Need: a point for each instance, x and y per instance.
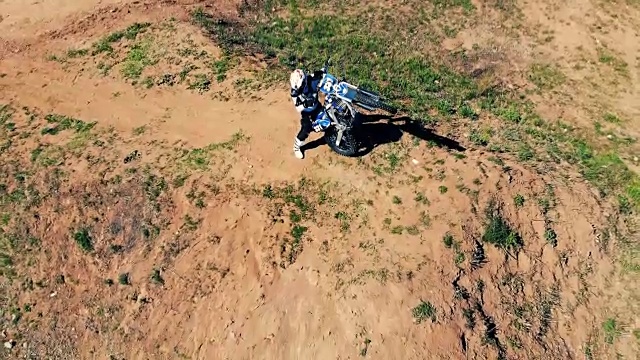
(211, 241)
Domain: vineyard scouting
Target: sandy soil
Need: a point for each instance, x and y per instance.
(232, 281)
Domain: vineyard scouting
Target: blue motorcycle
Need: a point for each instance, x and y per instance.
(338, 116)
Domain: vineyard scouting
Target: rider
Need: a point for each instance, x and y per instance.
(304, 93)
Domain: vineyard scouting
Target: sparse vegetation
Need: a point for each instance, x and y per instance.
(62, 123)
(130, 33)
(551, 237)
(83, 239)
(611, 330)
(137, 59)
(448, 240)
(425, 310)
(156, 278)
(202, 214)
(498, 232)
(421, 198)
(546, 76)
(123, 279)
(518, 200)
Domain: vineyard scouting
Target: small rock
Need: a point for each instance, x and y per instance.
(609, 136)
(635, 158)
(53, 294)
(9, 344)
(414, 161)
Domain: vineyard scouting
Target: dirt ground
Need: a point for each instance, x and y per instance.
(180, 226)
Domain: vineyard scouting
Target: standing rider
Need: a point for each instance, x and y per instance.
(304, 93)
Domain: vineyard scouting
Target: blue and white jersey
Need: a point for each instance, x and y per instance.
(306, 99)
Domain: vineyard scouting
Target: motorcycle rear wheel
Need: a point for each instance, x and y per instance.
(373, 100)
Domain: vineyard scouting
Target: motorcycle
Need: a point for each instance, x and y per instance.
(338, 117)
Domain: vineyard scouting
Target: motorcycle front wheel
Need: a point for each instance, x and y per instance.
(349, 145)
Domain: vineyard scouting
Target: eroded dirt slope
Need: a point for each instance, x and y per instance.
(151, 208)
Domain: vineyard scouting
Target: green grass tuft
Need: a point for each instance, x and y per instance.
(130, 33)
(83, 239)
(546, 76)
(611, 330)
(62, 123)
(425, 310)
(499, 233)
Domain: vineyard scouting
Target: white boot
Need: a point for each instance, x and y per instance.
(296, 149)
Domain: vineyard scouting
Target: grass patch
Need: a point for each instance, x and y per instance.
(138, 58)
(130, 33)
(607, 172)
(373, 59)
(297, 232)
(344, 220)
(546, 76)
(6, 113)
(351, 43)
(200, 158)
(617, 64)
(139, 130)
(448, 240)
(221, 67)
(551, 237)
(156, 278)
(124, 279)
(74, 53)
(153, 186)
(61, 123)
(425, 310)
(83, 239)
(481, 137)
(422, 198)
(611, 330)
(200, 82)
(611, 118)
(518, 200)
(498, 232)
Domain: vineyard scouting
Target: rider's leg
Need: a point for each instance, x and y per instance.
(303, 134)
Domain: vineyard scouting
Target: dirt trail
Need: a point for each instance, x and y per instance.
(22, 20)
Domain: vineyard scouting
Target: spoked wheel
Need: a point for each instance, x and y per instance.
(349, 145)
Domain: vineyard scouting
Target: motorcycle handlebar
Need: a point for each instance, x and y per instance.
(326, 65)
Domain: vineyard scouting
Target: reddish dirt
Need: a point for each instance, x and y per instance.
(234, 284)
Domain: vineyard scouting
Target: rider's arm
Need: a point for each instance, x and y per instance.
(317, 75)
(298, 102)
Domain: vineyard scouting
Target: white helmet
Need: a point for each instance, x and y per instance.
(297, 79)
